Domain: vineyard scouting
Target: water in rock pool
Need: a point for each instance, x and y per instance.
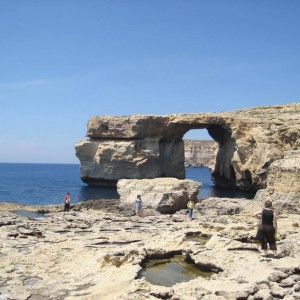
(28, 214)
(168, 271)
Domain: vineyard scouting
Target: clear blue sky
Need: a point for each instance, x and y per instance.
(62, 61)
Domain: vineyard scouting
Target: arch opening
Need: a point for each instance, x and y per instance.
(208, 159)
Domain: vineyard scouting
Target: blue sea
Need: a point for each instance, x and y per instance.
(43, 184)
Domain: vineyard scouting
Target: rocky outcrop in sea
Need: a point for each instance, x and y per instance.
(253, 147)
(147, 146)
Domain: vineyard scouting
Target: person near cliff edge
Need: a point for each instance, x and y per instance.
(67, 202)
(138, 206)
(190, 206)
(269, 228)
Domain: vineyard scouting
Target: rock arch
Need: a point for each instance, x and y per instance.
(147, 146)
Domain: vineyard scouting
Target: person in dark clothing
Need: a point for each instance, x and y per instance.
(67, 202)
(269, 228)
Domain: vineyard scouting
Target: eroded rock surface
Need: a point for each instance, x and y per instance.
(104, 162)
(283, 183)
(97, 254)
(219, 206)
(137, 147)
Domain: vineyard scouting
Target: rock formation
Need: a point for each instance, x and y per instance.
(166, 195)
(198, 153)
(283, 183)
(130, 148)
(136, 147)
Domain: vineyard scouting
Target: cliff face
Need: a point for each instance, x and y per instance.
(105, 161)
(283, 183)
(198, 153)
(136, 147)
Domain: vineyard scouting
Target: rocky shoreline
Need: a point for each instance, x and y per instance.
(96, 250)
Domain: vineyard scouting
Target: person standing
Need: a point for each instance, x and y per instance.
(190, 206)
(138, 206)
(67, 202)
(269, 228)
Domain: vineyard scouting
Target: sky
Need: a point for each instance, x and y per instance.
(63, 61)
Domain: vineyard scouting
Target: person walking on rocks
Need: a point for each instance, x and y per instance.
(67, 202)
(269, 228)
(190, 206)
(138, 206)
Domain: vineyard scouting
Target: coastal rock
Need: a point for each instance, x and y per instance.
(105, 261)
(283, 187)
(120, 159)
(218, 206)
(138, 147)
(284, 174)
(166, 195)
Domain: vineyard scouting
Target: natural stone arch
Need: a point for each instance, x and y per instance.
(147, 146)
(222, 171)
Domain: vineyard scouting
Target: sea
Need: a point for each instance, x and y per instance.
(44, 184)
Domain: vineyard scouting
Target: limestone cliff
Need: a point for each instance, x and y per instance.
(283, 183)
(198, 153)
(147, 146)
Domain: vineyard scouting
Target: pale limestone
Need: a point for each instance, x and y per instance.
(166, 195)
(138, 147)
(104, 162)
(283, 183)
(95, 254)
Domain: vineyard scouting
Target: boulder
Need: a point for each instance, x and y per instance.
(166, 195)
